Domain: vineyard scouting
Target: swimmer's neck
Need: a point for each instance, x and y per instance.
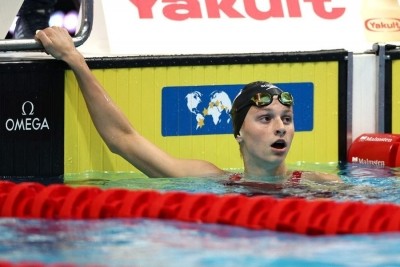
(276, 174)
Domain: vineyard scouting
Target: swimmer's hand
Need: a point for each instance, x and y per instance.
(57, 42)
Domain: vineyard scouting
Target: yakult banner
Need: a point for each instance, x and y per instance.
(246, 26)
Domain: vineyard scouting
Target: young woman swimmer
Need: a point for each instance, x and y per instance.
(262, 118)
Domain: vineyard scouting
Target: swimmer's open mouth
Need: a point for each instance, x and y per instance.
(280, 144)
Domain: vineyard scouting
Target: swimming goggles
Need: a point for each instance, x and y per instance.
(264, 99)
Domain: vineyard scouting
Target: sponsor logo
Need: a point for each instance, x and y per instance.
(375, 139)
(28, 121)
(379, 163)
(179, 10)
(383, 25)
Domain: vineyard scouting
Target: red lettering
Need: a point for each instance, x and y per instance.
(294, 8)
(275, 10)
(320, 10)
(191, 10)
(226, 6)
(144, 8)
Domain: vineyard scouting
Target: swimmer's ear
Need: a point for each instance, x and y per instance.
(238, 138)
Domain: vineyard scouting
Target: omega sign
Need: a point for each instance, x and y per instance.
(27, 122)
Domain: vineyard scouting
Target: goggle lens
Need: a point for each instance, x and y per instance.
(286, 99)
(262, 99)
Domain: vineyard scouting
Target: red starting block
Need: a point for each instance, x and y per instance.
(376, 149)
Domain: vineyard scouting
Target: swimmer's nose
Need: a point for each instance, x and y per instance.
(280, 132)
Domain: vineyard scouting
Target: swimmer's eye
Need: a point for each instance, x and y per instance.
(287, 119)
(266, 118)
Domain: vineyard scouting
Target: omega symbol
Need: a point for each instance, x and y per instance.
(24, 108)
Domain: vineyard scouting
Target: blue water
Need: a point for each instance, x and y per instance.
(139, 242)
(143, 242)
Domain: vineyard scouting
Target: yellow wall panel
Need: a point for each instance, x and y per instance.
(138, 92)
(396, 98)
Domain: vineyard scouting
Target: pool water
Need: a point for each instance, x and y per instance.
(360, 182)
(144, 242)
(140, 242)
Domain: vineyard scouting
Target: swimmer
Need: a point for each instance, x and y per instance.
(262, 117)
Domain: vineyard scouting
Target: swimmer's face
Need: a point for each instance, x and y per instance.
(267, 133)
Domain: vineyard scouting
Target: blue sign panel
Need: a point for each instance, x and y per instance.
(204, 110)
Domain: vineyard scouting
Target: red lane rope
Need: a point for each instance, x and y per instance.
(309, 217)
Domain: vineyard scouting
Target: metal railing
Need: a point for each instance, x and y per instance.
(80, 37)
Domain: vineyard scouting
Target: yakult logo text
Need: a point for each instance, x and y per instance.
(259, 10)
(27, 122)
(383, 25)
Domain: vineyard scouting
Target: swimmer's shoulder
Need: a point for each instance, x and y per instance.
(320, 177)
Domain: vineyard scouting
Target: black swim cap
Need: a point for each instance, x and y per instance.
(244, 97)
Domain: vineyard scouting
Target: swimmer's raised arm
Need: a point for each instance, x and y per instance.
(113, 126)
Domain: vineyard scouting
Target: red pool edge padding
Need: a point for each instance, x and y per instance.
(309, 217)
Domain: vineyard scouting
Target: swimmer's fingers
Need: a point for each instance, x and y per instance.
(42, 38)
(56, 41)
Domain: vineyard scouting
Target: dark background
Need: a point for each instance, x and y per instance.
(62, 5)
